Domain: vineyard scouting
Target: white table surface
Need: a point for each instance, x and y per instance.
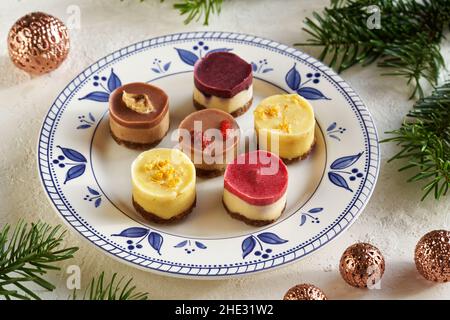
(393, 220)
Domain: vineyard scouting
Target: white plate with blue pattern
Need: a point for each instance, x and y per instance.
(87, 175)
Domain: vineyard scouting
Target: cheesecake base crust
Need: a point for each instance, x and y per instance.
(235, 113)
(149, 216)
(251, 222)
(135, 145)
(202, 173)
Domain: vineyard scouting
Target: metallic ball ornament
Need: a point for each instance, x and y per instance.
(38, 43)
(305, 292)
(362, 265)
(432, 256)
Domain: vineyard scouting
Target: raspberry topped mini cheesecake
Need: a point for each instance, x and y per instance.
(163, 183)
(285, 125)
(138, 115)
(223, 81)
(210, 138)
(255, 187)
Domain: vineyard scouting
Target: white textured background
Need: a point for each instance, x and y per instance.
(393, 220)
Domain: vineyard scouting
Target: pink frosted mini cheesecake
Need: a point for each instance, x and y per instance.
(255, 187)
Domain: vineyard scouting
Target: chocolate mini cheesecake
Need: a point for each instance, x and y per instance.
(138, 115)
(210, 138)
(222, 80)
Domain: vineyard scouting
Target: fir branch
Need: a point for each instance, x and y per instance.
(114, 289)
(196, 9)
(408, 41)
(26, 255)
(424, 140)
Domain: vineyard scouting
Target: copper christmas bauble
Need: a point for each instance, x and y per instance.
(432, 256)
(38, 43)
(362, 265)
(305, 292)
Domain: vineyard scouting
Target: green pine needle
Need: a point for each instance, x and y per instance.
(29, 252)
(408, 41)
(26, 255)
(196, 9)
(424, 140)
(113, 289)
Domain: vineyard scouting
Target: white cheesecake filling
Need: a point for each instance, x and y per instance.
(225, 104)
(265, 212)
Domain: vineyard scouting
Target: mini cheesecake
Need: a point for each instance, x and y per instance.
(138, 115)
(285, 125)
(255, 188)
(210, 138)
(163, 185)
(222, 80)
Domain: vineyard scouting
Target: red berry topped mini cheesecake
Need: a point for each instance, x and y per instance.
(255, 187)
(223, 81)
(210, 138)
(138, 115)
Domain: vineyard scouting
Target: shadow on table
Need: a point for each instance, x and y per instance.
(400, 281)
(11, 75)
(407, 282)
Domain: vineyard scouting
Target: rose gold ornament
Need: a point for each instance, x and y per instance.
(432, 256)
(362, 265)
(305, 292)
(38, 43)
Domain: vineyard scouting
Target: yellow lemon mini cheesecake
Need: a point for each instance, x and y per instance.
(285, 125)
(163, 182)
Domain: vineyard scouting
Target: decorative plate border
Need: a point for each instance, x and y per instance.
(344, 220)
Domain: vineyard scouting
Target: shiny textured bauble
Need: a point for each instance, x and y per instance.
(305, 292)
(38, 43)
(432, 256)
(362, 265)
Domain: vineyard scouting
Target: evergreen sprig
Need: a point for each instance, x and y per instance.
(424, 140)
(30, 251)
(196, 9)
(26, 255)
(408, 41)
(113, 289)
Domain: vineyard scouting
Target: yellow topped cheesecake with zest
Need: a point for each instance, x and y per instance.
(163, 184)
(285, 125)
